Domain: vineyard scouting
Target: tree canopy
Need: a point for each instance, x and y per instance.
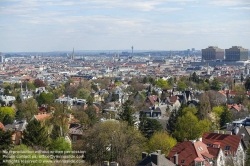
(161, 141)
(113, 141)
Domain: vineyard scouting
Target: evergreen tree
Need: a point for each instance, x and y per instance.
(56, 132)
(127, 113)
(35, 135)
(247, 84)
(5, 143)
(19, 115)
(226, 117)
(7, 119)
(151, 126)
(172, 122)
(215, 85)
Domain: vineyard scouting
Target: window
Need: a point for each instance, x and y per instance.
(182, 161)
(208, 145)
(227, 147)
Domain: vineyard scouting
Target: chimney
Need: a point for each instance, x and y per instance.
(200, 139)
(176, 159)
(158, 152)
(144, 154)
(155, 158)
(216, 131)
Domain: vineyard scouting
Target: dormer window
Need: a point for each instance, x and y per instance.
(208, 145)
(227, 148)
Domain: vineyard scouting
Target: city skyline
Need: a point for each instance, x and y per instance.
(58, 25)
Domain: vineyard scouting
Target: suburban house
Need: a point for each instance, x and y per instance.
(17, 127)
(191, 153)
(174, 102)
(75, 132)
(231, 145)
(154, 159)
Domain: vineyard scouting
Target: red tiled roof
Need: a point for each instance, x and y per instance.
(186, 153)
(173, 99)
(213, 151)
(42, 116)
(2, 126)
(152, 99)
(224, 139)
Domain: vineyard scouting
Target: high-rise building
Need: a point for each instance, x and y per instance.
(236, 53)
(73, 55)
(1, 58)
(212, 53)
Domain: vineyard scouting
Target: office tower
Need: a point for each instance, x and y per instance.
(73, 55)
(212, 53)
(1, 58)
(236, 53)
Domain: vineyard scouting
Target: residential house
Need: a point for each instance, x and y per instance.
(191, 153)
(8, 100)
(154, 159)
(174, 102)
(75, 132)
(42, 117)
(231, 145)
(17, 127)
(244, 132)
(152, 100)
(40, 90)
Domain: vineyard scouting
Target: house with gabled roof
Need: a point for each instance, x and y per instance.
(191, 153)
(230, 145)
(42, 117)
(17, 127)
(154, 159)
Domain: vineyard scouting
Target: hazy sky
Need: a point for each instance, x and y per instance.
(60, 25)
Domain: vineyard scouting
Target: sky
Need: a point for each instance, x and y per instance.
(60, 25)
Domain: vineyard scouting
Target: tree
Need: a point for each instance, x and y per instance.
(60, 144)
(82, 94)
(28, 108)
(5, 139)
(45, 98)
(247, 83)
(94, 87)
(113, 141)
(195, 78)
(162, 83)
(204, 106)
(161, 141)
(6, 111)
(215, 118)
(127, 113)
(35, 156)
(181, 86)
(188, 126)
(39, 83)
(148, 126)
(215, 84)
(36, 135)
(5, 143)
(240, 94)
(7, 120)
(226, 116)
(172, 122)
